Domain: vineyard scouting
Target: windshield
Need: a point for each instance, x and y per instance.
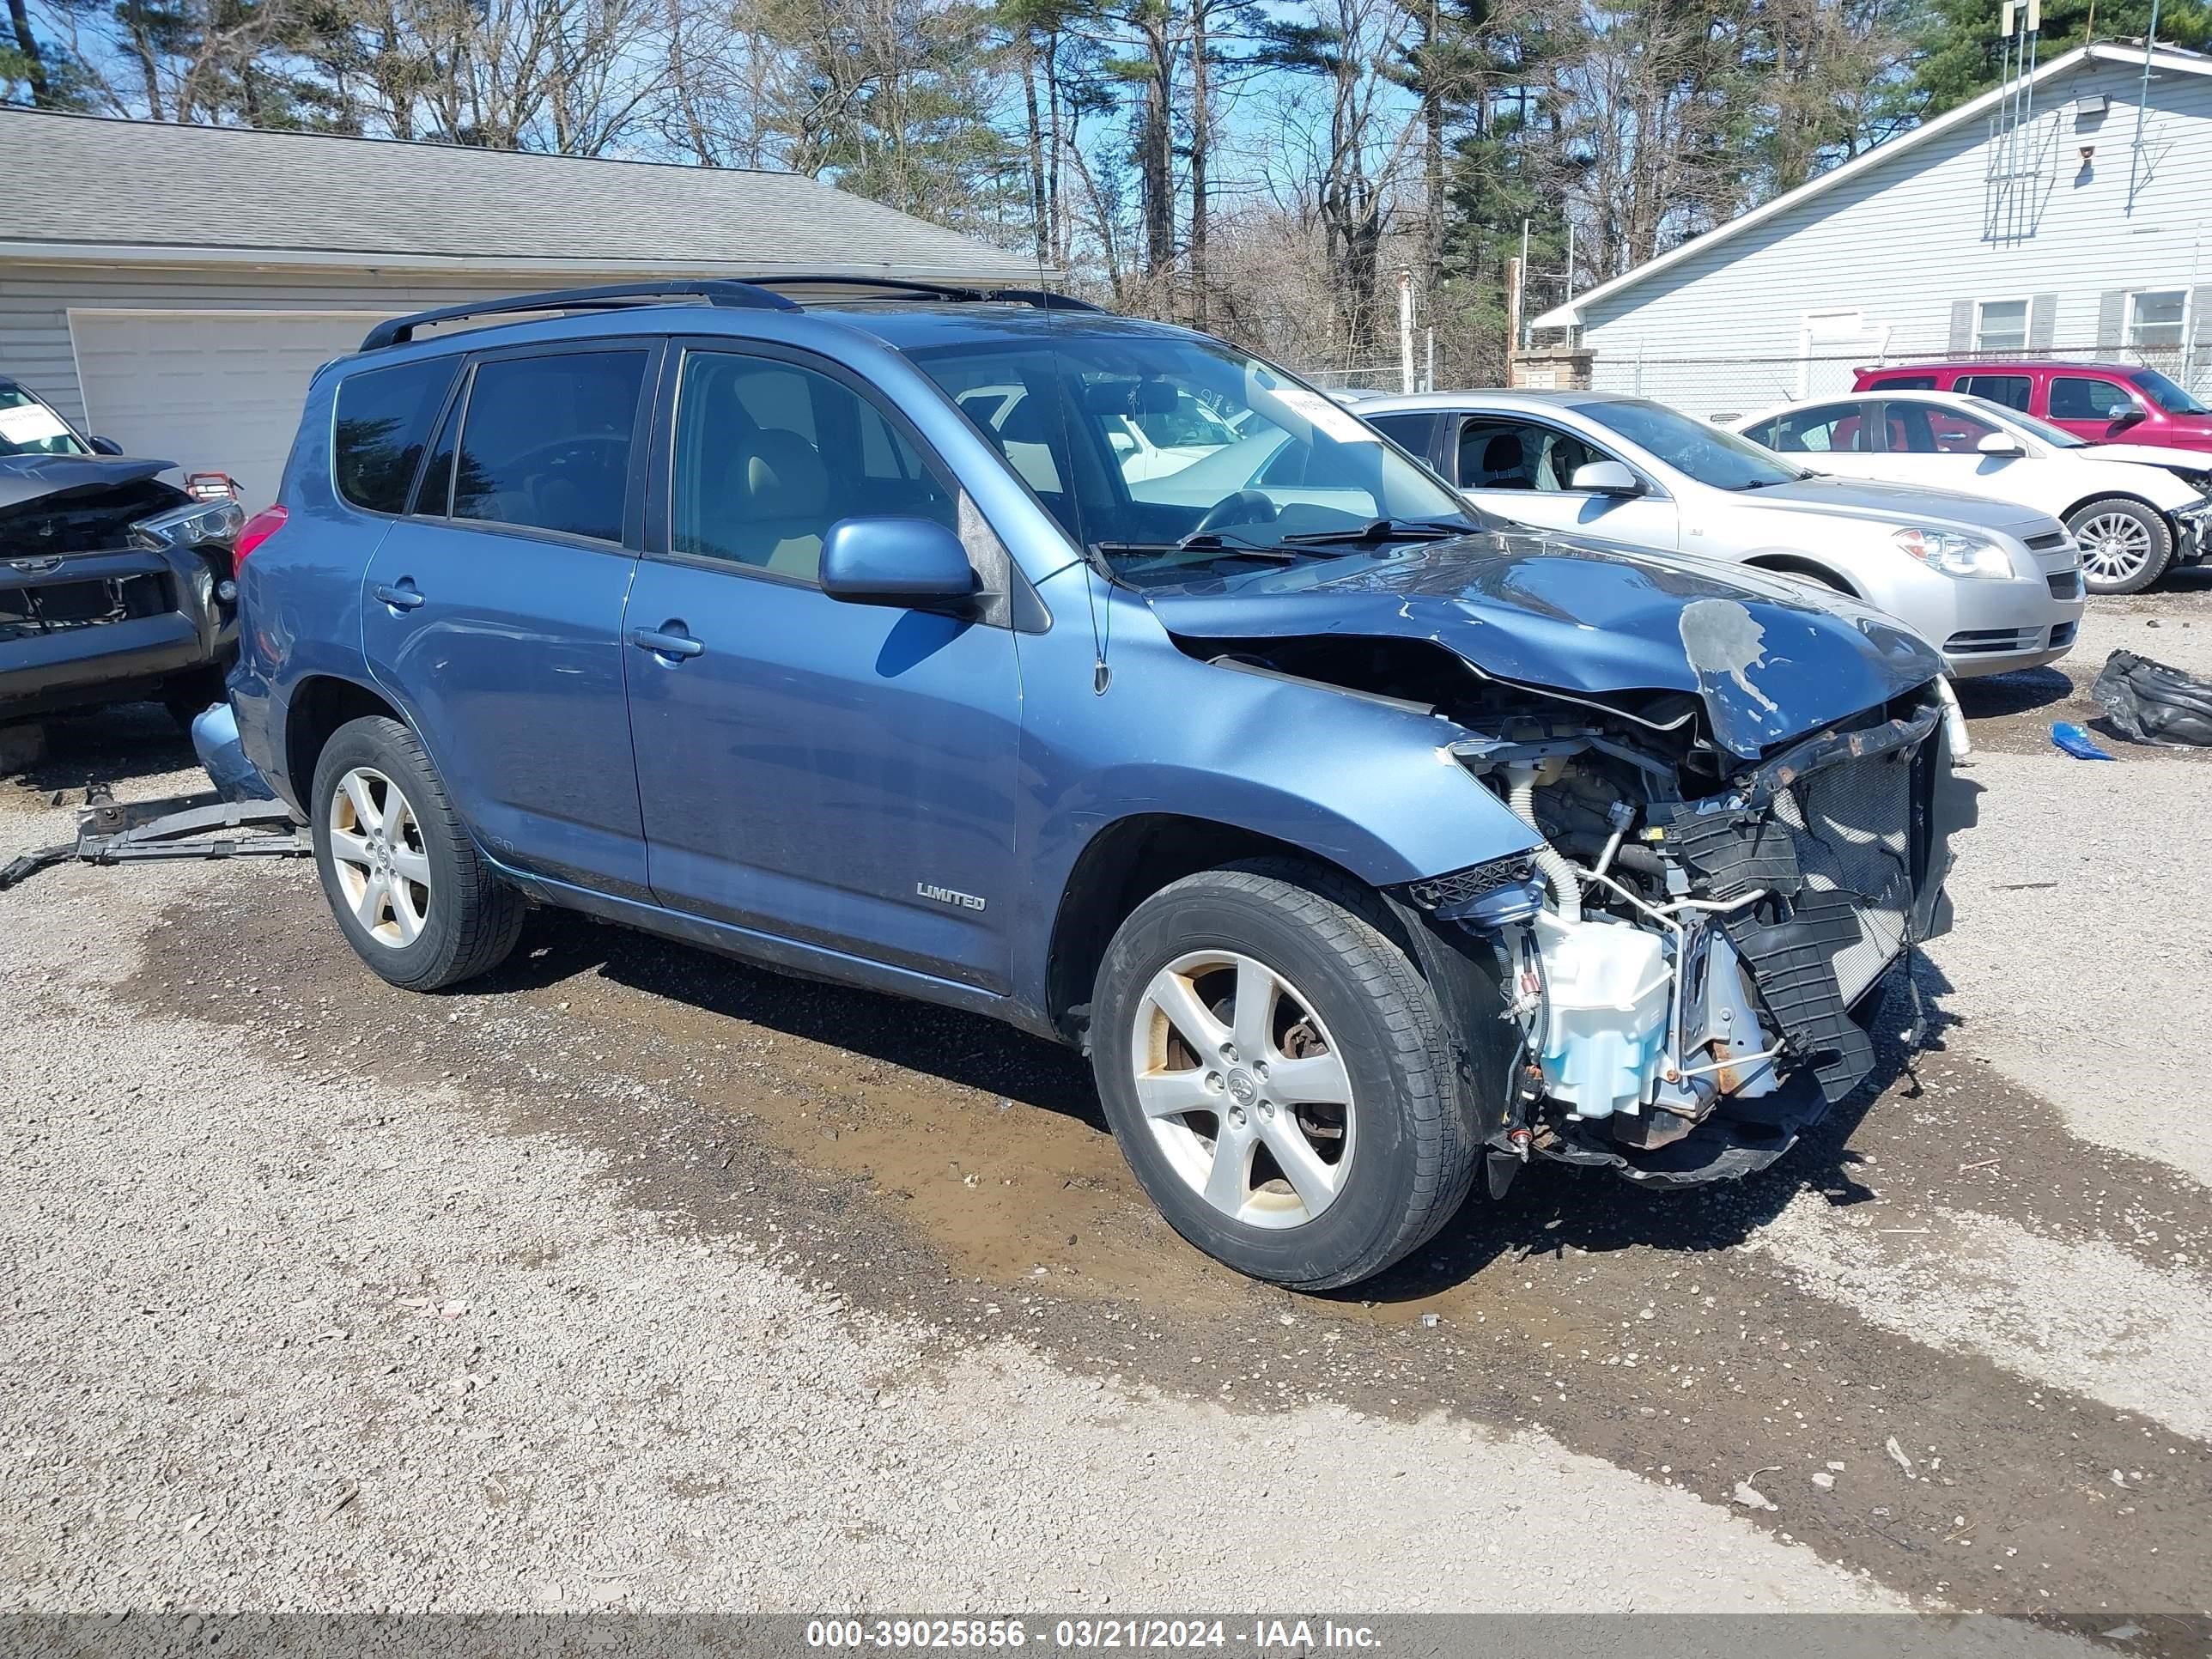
(1166, 454)
(2006, 415)
(27, 427)
(2167, 395)
(1701, 450)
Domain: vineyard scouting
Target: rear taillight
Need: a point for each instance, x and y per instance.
(258, 529)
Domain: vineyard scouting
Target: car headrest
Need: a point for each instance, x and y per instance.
(1502, 454)
(784, 477)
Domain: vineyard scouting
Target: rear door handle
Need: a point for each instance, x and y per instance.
(669, 640)
(401, 597)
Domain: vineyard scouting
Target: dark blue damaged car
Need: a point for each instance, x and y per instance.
(998, 652)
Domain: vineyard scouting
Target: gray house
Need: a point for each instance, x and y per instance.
(2068, 213)
(175, 287)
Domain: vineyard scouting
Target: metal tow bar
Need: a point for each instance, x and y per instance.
(109, 831)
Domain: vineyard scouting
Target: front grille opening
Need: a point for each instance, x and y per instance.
(58, 607)
(1973, 640)
(2066, 585)
(2045, 544)
(2064, 635)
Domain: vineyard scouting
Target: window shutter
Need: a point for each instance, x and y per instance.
(2042, 321)
(1962, 325)
(2112, 317)
(2200, 331)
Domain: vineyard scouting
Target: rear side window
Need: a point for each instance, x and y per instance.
(545, 442)
(2010, 390)
(1902, 382)
(383, 421)
(1408, 431)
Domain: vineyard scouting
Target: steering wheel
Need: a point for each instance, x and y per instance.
(1245, 507)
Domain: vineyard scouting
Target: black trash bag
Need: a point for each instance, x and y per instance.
(2149, 702)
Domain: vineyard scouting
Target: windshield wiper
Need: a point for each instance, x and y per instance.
(1202, 541)
(1375, 530)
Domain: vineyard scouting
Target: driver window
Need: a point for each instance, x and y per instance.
(769, 454)
(545, 442)
(1521, 455)
(1938, 430)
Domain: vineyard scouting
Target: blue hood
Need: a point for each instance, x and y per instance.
(1770, 658)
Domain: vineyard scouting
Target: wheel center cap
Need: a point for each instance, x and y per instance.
(1242, 1088)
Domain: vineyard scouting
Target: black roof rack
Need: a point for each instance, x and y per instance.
(400, 330)
(761, 295)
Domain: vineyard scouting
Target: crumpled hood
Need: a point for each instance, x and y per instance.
(1770, 658)
(1900, 504)
(36, 478)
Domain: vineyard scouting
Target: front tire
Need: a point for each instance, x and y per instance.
(2125, 546)
(1280, 1076)
(406, 885)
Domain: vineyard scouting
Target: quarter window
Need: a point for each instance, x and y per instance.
(545, 442)
(2155, 316)
(769, 455)
(2011, 390)
(2001, 325)
(1832, 429)
(2075, 397)
(382, 421)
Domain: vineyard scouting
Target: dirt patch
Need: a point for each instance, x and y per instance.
(930, 1163)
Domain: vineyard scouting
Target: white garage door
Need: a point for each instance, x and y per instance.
(213, 390)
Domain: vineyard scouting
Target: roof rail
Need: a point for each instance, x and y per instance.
(400, 330)
(760, 295)
(1042, 299)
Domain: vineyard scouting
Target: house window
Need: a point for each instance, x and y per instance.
(2001, 325)
(2155, 316)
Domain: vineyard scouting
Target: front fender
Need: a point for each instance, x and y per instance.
(1366, 783)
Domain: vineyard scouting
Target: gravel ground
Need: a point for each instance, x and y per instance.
(285, 1341)
(2092, 864)
(635, 1278)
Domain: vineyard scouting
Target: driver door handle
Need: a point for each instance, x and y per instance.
(669, 640)
(404, 597)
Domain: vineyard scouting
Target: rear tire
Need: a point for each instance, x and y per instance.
(1280, 1076)
(410, 891)
(2125, 546)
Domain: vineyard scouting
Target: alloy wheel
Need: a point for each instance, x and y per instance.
(2115, 547)
(1244, 1090)
(377, 851)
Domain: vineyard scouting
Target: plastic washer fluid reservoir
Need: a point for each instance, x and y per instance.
(1608, 989)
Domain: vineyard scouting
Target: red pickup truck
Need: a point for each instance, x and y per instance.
(2101, 403)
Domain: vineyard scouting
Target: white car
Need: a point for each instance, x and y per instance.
(1994, 586)
(2132, 516)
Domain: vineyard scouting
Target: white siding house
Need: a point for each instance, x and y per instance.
(2069, 216)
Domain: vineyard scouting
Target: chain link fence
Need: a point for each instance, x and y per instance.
(1721, 388)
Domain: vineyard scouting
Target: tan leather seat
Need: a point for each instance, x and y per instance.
(784, 491)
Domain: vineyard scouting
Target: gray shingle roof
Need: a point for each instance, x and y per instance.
(70, 180)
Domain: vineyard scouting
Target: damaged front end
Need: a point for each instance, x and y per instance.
(1690, 970)
(1740, 796)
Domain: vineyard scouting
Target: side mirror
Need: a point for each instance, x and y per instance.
(2001, 443)
(1605, 478)
(104, 446)
(915, 565)
(2129, 416)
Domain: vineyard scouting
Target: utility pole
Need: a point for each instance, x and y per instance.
(1406, 328)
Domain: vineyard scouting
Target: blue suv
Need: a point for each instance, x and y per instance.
(994, 651)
